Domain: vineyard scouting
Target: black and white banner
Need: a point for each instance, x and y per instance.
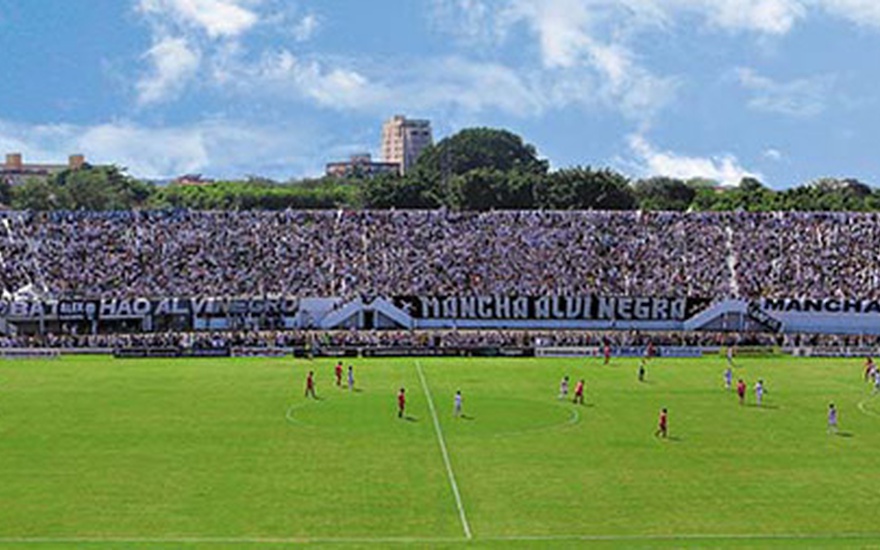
(550, 308)
(140, 308)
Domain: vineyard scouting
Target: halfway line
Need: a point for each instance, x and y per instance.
(439, 432)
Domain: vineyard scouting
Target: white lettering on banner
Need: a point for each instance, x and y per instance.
(450, 308)
(606, 308)
(661, 310)
(521, 308)
(484, 307)
(542, 308)
(468, 309)
(504, 310)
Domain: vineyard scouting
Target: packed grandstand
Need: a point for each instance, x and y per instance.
(387, 253)
(349, 255)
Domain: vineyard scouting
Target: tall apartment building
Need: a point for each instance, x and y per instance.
(403, 140)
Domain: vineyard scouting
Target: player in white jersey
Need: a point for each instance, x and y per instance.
(759, 392)
(730, 354)
(457, 409)
(832, 419)
(728, 378)
(563, 388)
(351, 377)
(876, 381)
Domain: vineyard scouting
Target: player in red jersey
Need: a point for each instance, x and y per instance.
(338, 372)
(649, 351)
(662, 427)
(606, 351)
(869, 369)
(741, 391)
(310, 385)
(401, 402)
(579, 393)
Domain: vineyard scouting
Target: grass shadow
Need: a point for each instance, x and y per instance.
(844, 434)
(410, 418)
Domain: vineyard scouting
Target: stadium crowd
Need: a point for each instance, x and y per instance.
(370, 253)
(424, 339)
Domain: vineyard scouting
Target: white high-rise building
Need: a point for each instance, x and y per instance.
(403, 140)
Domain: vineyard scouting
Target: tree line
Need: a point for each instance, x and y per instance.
(475, 169)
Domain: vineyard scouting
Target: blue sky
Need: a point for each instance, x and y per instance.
(781, 89)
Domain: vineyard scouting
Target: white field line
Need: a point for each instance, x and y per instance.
(434, 540)
(293, 408)
(573, 419)
(228, 540)
(865, 410)
(687, 536)
(445, 453)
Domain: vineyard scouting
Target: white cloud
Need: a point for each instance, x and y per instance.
(173, 63)
(222, 147)
(804, 97)
(184, 33)
(283, 73)
(473, 21)
(650, 161)
(306, 27)
(773, 17)
(590, 37)
(217, 18)
(575, 38)
(861, 12)
(429, 85)
(773, 154)
(460, 83)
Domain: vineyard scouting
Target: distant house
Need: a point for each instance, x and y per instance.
(361, 166)
(15, 171)
(192, 179)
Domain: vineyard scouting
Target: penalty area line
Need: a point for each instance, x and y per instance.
(445, 453)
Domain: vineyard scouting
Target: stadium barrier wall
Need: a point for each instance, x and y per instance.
(29, 353)
(753, 351)
(620, 351)
(827, 351)
(261, 352)
(168, 352)
(547, 312)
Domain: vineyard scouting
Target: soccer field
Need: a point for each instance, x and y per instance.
(104, 453)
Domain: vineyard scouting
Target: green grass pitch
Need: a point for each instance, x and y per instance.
(102, 453)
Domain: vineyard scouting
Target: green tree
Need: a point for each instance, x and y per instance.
(486, 189)
(5, 192)
(100, 188)
(585, 189)
(389, 191)
(473, 149)
(258, 195)
(38, 194)
(662, 193)
(750, 196)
